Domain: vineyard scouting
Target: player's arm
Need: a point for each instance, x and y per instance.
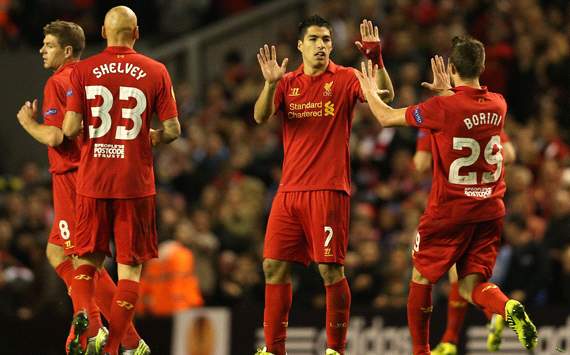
(45, 134)
(441, 84)
(169, 132)
(386, 115)
(371, 48)
(272, 73)
(72, 124)
(509, 153)
(423, 158)
(422, 161)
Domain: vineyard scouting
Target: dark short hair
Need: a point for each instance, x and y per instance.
(314, 20)
(67, 34)
(468, 56)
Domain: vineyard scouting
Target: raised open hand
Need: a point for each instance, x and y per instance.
(368, 32)
(441, 79)
(271, 70)
(367, 78)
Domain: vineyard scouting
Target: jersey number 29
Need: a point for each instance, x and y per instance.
(491, 157)
(102, 112)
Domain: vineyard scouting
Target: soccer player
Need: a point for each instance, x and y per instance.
(111, 101)
(463, 221)
(62, 46)
(310, 213)
(457, 306)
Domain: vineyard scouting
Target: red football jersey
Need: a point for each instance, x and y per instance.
(64, 157)
(423, 142)
(317, 116)
(117, 91)
(466, 127)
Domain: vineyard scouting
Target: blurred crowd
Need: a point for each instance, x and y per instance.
(21, 21)
(217, 182)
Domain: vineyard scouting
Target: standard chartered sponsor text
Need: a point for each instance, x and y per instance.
(309, 110)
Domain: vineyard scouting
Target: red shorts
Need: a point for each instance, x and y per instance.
(308, 226)
(63, 228)
(130, 222)
(472, 246)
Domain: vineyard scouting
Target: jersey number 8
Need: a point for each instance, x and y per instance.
(491, 157)
(102, 112)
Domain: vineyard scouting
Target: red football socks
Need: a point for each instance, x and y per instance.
(104, 292)
(456, 310)
(83, 288)
(122, 312)
(419, 314)
(65, 272)
(278, 298)
(338, 314)
(489, 297)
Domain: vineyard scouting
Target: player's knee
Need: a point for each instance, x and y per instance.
(129, 272)
(54, 255)
(95, 259)
(331, 273)
(418, 278)
(275, 271)
(465, 290)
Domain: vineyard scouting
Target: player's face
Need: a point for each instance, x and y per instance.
(53, 54)
(316, 47)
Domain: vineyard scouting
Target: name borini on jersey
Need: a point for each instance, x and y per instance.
(119, 68)
(482, 118)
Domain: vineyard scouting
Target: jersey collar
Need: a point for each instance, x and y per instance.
(119, 50)
(331, 68)
(470, 90)
(60, 69)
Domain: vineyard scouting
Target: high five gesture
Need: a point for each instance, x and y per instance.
(271, 70)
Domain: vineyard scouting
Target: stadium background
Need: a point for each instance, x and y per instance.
(216, 182)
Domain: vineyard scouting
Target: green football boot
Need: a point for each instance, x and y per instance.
(142, 349)
(445, 349)
(78, 327)
(519, 321)
(496, 326)
(96, 344)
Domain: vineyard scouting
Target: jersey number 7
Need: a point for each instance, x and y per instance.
(102, 112)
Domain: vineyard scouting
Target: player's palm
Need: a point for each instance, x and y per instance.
(271, 70)
(367, 77)
(369, 34)
(441, 79)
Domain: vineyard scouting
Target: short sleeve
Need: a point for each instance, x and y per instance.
(429, 114)
(75, 93)
(279, 98)
(354, 87)
(165, 100)
(505, 137)
(52, 105)
(423, 142)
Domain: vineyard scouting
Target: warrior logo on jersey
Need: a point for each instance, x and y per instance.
(328, 88)
(294, 92)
